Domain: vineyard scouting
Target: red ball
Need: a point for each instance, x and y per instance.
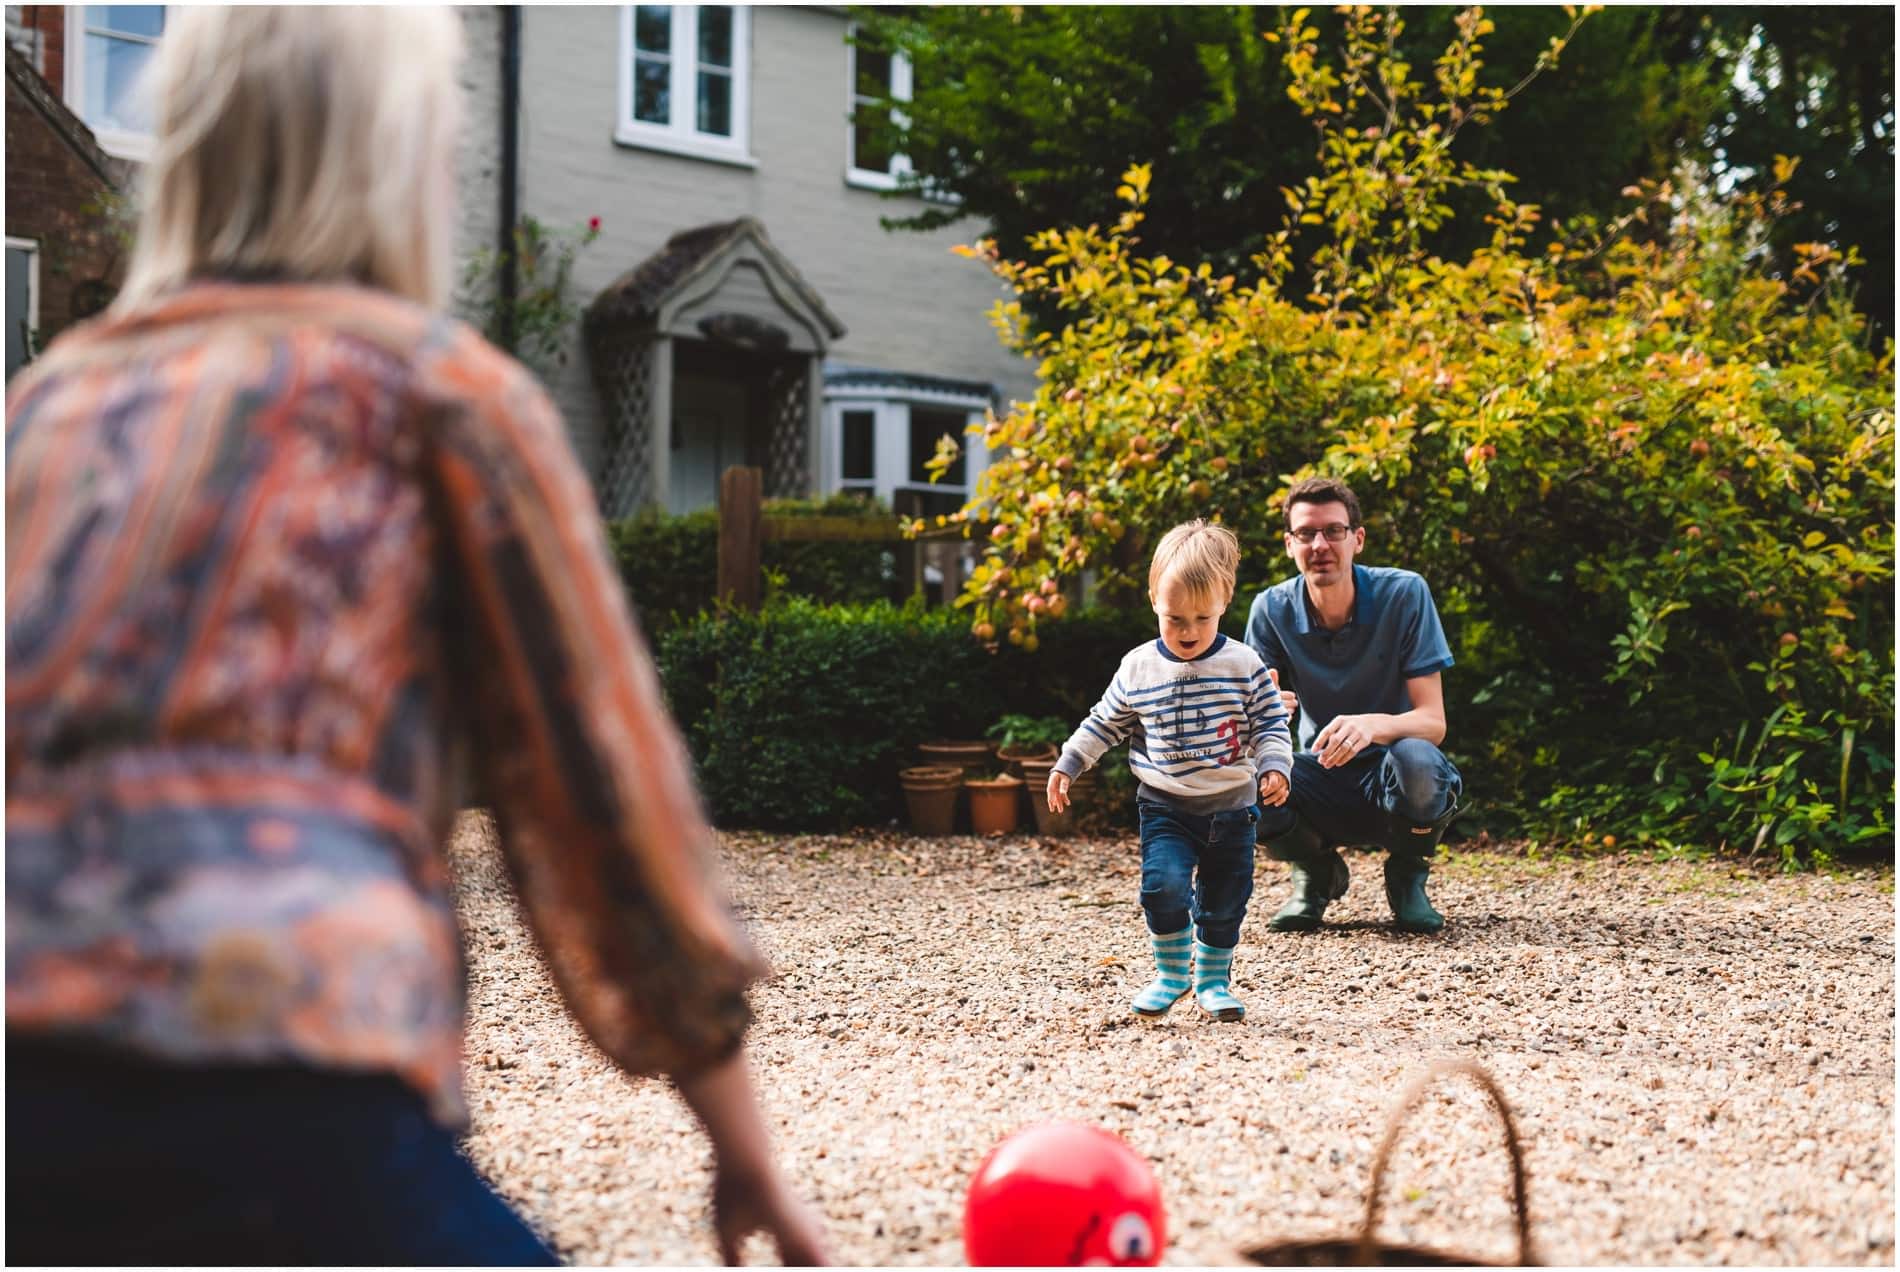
(1064, 1195)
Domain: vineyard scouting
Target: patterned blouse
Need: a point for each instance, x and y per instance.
(278, 555)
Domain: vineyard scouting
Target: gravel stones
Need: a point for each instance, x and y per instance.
(1701, 1059)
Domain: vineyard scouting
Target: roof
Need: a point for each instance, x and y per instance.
(900, 383)
(69, 127)
(638, 295)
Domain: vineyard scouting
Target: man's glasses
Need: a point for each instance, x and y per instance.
(1334, 533)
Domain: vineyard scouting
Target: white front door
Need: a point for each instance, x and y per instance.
(709, 433)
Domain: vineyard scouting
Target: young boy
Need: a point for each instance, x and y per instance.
(1209, 736)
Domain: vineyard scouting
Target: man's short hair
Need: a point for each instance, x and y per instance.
(1205, 557)
(1323, 490)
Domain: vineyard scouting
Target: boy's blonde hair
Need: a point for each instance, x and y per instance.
(310, 143)
(1203, 556)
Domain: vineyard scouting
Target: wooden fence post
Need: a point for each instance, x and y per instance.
(739, 536)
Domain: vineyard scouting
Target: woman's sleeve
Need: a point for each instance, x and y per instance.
(610, 851)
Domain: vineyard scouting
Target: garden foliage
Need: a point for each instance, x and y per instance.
(671, 563)
(1650, 478)
(801, 715)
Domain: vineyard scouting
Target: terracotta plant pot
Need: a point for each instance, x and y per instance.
(995, 803)
(930, 794)
(1050, 825)
(971, 757)
(1014, 757)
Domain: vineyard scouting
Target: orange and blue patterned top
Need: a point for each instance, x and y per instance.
(278, 555)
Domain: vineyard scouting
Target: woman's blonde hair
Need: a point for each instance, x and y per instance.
(1203, 556)
(307, 143)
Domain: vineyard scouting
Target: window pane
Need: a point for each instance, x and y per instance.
(133, 19)
(858, 451)
(868, 151)
(874, 71)
(653, 28)
(652, 78)
(715, 34)
(112, 71)
(715, 103)
(19, 305)
(926, 426)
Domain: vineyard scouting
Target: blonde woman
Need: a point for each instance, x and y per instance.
(279, 536)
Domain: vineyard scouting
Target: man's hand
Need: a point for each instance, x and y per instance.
(1343, 737)
(1058, 792)
(1273, 790)
(1288, 699)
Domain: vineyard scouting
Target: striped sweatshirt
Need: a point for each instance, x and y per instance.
(1204, 731)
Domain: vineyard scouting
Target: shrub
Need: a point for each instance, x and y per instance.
(799, 716)
(670, 564)
(1651, 481)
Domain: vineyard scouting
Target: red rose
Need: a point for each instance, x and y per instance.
(593, 223)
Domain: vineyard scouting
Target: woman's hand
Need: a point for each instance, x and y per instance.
(748, 1193)
(745, 1202)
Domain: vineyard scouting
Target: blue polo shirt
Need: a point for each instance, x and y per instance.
(1393, 636)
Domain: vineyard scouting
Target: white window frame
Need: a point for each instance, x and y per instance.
(32, 248)
(859, 485)
(679, 136)
(890, 437)
(118, 142)
(901, 86)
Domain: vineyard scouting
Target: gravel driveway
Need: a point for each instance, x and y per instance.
(1701, 1059)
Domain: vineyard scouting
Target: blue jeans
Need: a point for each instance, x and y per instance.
(124, 1162)
(1393, 797)
(1198, 866)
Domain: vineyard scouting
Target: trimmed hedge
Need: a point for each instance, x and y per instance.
(800, 716)
(670, 564)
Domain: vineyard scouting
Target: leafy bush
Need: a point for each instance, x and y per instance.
(800, 716)
(1651, 480)
(670, 564)
(1016, 731)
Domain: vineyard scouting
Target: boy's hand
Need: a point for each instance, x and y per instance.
(1273, 789)
(1288, 699)
(1058, 792)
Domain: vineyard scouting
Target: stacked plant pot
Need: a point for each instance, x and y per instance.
(1082, 791)
(930, 795)
(1014, 758)
(967, 759)
(972, 757)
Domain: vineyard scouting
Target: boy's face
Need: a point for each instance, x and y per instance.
(1189, 623)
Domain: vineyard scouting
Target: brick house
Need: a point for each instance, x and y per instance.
(65, 236)
(744, 303)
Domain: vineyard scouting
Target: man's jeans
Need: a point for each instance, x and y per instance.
(1197, 866)
(1393, 797)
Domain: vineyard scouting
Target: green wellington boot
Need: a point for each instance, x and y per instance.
(1319, 877)
(1405, 892)
(1406, 870)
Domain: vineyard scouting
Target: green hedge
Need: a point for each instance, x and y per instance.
(800, 716)
(670, 564)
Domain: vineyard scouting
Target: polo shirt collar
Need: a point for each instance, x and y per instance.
(1364, 608)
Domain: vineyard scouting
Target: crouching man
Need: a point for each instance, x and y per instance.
(1359, 650)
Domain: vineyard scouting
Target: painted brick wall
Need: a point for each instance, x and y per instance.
(478, 168)
(909, 305)
(39, 31)
(56, 197)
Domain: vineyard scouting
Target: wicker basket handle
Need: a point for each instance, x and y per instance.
(1414, 1093)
